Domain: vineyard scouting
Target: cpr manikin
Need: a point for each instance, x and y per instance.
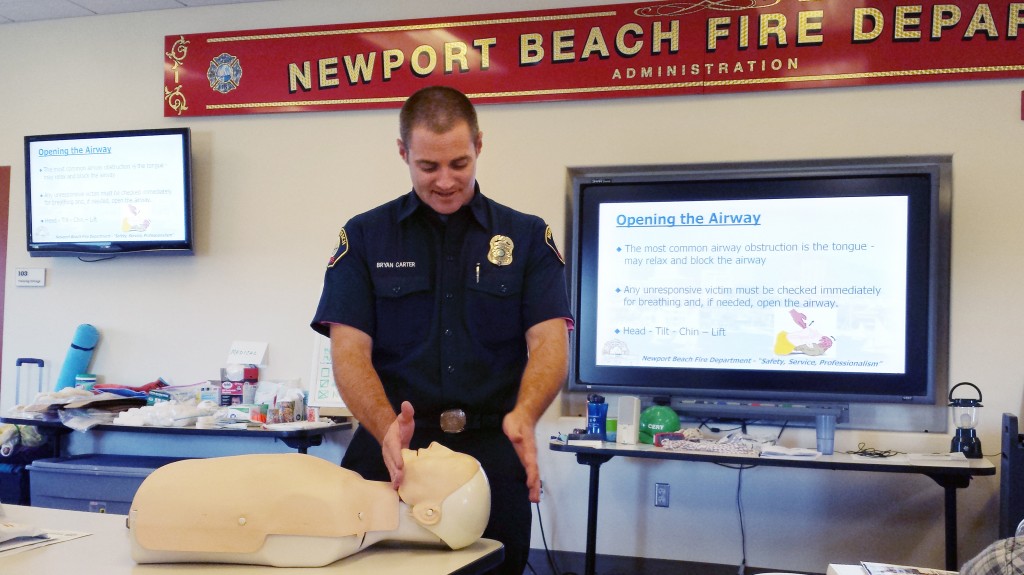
(296, 510)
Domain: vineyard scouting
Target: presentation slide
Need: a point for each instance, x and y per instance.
(108, 189)
(808, 284)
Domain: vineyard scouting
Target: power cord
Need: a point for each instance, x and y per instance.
(705, 423)
(739, 510)
(739, 500)
(92, 261)
(782, 429)
(547, 552)
(743, 532)
(739, 503)
(742, 425)
(864, 451)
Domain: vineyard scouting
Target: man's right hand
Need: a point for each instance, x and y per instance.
(397, 438)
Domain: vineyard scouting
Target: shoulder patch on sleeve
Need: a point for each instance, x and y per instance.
(549, 239)
(340, 248)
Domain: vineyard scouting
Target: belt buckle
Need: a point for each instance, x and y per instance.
(453, 421)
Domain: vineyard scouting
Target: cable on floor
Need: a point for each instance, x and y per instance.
(555, 569)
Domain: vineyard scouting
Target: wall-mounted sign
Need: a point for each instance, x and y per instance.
(30, 277)
(615, 51)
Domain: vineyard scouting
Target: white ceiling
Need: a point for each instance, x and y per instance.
(28, 10)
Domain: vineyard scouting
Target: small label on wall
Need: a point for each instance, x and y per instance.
(30, 277)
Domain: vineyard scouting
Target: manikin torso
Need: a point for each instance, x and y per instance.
(294, 510)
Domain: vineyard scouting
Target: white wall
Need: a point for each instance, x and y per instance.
(272, 190)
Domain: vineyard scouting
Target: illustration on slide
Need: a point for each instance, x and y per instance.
(134, 219)
(806, 340)
(615, 347)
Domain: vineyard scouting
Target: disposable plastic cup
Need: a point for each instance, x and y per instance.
(825, 429)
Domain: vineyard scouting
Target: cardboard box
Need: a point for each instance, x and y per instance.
(231, 392)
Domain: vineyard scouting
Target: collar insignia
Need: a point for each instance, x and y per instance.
(500, 253)
(340, 249)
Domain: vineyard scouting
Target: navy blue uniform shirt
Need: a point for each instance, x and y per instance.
(448, 324)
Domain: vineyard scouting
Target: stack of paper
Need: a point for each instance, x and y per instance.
(887, 569)
(779, 451)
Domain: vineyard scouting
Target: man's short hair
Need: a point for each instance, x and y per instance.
(439, 109)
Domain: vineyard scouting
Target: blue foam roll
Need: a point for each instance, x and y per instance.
(79, 355)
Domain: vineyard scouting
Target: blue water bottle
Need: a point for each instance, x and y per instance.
(597, 415)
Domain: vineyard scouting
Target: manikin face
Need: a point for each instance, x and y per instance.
(448, 492)
(435, 472)
(442, 166)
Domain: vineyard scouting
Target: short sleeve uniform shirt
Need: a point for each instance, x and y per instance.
(447, 301)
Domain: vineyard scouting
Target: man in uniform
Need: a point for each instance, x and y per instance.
(448, 320)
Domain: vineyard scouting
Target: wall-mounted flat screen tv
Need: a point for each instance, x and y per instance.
(109, 193)
(794, 280)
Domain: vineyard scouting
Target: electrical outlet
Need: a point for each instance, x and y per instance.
(661, 494)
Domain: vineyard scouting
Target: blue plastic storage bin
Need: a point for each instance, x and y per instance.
(100, 483)
(13, 484)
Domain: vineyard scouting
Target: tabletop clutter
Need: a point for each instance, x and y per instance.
(238, 400)
(80, 400)
(661, 427)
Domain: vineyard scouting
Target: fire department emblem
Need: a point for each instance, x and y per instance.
(224, 73)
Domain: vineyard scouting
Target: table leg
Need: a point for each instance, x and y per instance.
(594, 460)
(302, 444)
(950, 484)
(951, 537)
(54, 436)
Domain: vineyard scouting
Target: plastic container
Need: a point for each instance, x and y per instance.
(26, 390)
(597, 415)
(100, 483)
(14, 486)
(85, 380)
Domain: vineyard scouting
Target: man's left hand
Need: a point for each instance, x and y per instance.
(520, 430)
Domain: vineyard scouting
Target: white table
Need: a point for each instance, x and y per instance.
(949, 475)
(108, 552)
(300, 439)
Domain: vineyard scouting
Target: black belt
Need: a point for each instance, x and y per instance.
(458, 420)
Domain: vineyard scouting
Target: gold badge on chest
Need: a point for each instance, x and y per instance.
(500, 253)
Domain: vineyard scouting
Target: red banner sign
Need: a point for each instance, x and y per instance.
(615, 51)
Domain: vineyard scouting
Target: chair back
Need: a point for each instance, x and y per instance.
(1011, 478)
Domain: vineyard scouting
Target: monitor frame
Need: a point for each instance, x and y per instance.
(177, 246)
(934, 311)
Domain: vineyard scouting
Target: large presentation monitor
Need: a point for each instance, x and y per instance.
(811, 281)
(109, 193)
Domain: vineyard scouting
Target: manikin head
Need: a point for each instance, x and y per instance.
(448, 492)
